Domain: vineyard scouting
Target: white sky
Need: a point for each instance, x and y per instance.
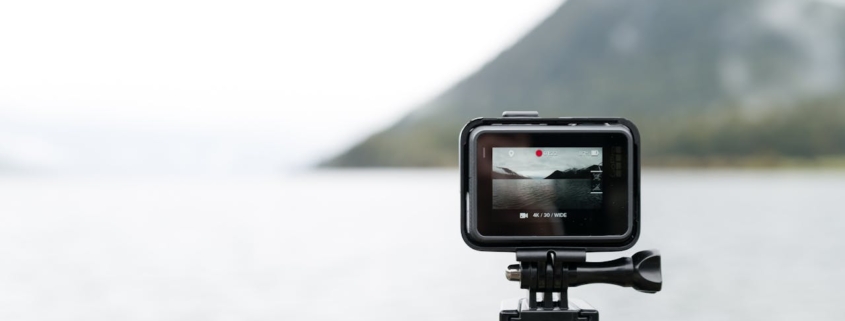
(322, 74)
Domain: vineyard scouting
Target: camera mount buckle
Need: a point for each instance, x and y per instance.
(552, 272)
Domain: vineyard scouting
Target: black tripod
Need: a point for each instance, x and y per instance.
(552, 272)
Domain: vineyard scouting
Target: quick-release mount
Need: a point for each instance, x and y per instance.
(550, 273)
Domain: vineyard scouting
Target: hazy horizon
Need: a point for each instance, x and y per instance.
(224, 87)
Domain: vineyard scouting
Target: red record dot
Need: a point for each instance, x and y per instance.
(539, 152)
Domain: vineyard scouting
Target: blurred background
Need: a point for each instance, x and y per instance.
(264, 160)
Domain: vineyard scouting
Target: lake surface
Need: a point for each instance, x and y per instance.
(548, 194)
(385, 245)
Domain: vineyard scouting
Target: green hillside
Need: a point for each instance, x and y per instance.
(706, 81)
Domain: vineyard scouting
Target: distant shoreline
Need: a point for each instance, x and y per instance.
(824, 163)
(828, 162)
(661, 161)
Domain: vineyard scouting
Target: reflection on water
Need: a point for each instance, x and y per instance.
(549, 194)
(376, 245)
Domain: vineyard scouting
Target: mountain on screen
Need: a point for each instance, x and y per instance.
(572, 173)
(506, 173)
(585, 173)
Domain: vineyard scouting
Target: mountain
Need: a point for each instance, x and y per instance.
(506, 173)
(716, 79)
(583, 173)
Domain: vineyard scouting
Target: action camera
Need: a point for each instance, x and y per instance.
(550, 183)
(551, 190)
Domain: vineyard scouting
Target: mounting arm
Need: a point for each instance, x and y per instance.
(640, 271)
(553, 271)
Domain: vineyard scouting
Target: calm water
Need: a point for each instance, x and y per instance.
(549, 194)
(385, 245)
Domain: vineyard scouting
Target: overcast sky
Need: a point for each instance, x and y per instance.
(524, 161)
(314, 76)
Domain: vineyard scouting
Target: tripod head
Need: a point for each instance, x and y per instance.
(550, 273)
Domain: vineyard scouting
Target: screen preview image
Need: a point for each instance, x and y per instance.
(547, 180)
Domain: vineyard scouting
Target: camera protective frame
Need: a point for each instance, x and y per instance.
(531, 119)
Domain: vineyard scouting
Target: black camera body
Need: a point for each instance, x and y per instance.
(530, 183)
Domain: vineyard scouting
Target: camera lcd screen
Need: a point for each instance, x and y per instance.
(553, 184)
(546, 178)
